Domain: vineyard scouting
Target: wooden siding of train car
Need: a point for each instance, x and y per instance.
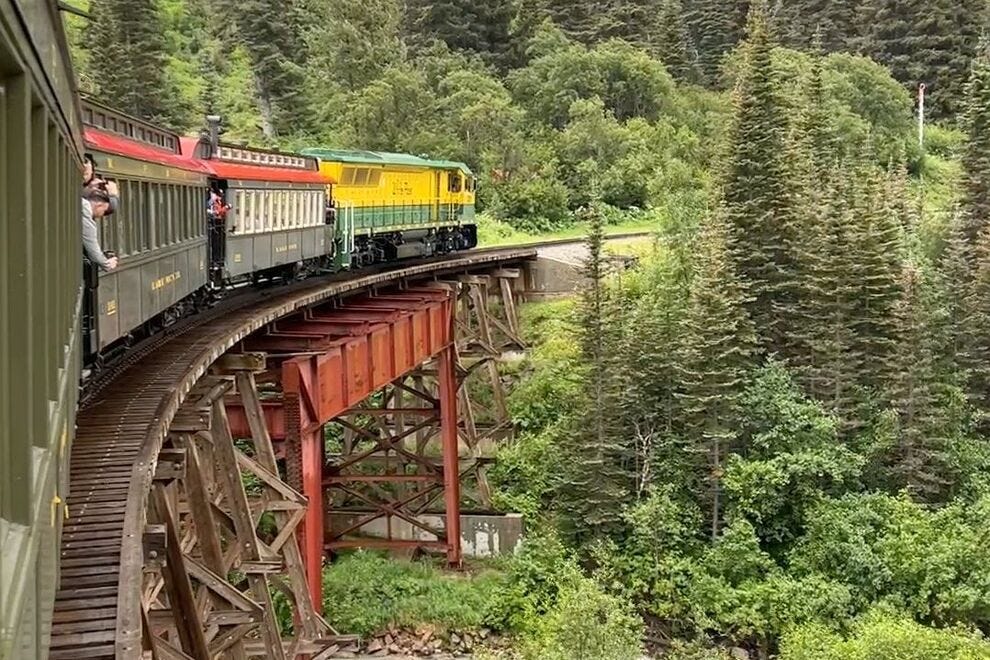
(159, 235)
(40, 299)
(252, 244)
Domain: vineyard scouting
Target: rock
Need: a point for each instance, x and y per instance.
(374, 646)
(394, 648)
(389, 639)
(737, 653)
(484, 633)
(346, 654)
(454, 639)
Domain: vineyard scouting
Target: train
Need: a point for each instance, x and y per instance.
(284, 216)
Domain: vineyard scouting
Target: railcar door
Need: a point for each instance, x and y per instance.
(217, 207)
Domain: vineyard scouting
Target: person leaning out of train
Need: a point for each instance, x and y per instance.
(99, 201)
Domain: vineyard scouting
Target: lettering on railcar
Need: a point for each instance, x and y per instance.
(110, 308)
(402, 187)
(237, 257)
(279, 249)
(166, 280)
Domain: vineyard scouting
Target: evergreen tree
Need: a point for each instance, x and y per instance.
(918, 460)
(717, 26)
(952, 283)
(926, 41)
(876, 249)
(595, 483)
(130, 31)
(482, 27)
(272, 33)
(761, 192)
(717, 351)
(582, 21)
(977, 328)
(976, 158)
(833, 362)
(835, 24)
(672, 43)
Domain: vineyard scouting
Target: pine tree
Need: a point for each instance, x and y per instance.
(918, 462)
(717, 26)
(976, 158)
(589, 23)
(481, 27)
(833, 361)
(761, 192)
(834, 23)
(926, 41)
(272, 33)
(953, 279)
(671, 41)
(717, 351)
(596, 482)
(130, 31)
(977, 328)
(876, 247)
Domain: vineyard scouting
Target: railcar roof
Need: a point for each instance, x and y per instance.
(122, 146)
(383, 158)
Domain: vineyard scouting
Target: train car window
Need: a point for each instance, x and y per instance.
(454, 182)
(361, 176)
(171, 206)
(144, 221)
(347, 178)
(374, 177)
(249, 211)
(188, 211)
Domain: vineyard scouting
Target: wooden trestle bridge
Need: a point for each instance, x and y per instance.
(201, 481)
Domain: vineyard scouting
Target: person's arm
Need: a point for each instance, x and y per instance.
(91, 239)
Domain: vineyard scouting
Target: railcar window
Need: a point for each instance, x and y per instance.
(374, 177)
(254, 210)
(361, 177)
(269, 210)
(454, 180)
(174, 224)
(347, 178)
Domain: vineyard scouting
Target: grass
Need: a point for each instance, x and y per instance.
(366, 592)
(495, 233)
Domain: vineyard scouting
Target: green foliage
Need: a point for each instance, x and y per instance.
(793, 458)
(585, 624)
(976, 157)
(926, 562)
(884, 635)
(365, 593)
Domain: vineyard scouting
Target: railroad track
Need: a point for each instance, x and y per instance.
(124, 422)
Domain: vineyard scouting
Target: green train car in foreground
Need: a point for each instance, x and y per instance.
(40, 298)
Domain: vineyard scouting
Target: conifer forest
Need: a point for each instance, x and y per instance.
(771, 438)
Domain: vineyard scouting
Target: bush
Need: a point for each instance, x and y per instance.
(887, 636)
(366, 592)
(585, 624)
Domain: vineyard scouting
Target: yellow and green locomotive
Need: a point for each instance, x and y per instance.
(391, 206)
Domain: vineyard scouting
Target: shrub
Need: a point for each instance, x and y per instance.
(887, 636)
(585, 624)
(366, 592)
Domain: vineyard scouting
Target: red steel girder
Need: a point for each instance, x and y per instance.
(339, 356)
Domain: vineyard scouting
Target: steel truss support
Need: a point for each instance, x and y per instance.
(401, 378)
